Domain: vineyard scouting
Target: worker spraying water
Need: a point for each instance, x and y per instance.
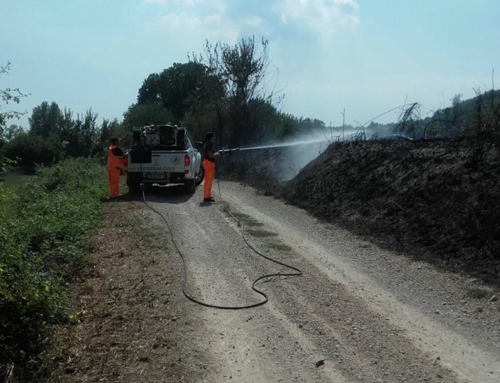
(210, 154)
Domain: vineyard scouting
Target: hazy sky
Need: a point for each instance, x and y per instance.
(365, 56)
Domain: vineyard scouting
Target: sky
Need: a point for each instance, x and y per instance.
(362, 56)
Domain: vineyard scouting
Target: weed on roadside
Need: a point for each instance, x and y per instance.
(268, 193)
(247, 220)
(279, 246)
(241, 218)
(43, 247)
(262, 233)
(477, 293)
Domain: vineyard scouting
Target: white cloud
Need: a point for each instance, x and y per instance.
(188, 23)
(183, 4)
(186, 26)
(254, 21)
(322, 16)
(176, 2)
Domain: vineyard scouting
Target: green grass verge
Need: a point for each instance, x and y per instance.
(262, 233)
(44, 228)
(247, 220)
(279, 246)
(242, 218)
(477, 293)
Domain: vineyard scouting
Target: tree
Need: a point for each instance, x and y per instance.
(173, 87)
(290, 125)
(29, 150)
(81, 137)
(149, 92)
(2, 169)
(265, 120)
(243, 69)
(46, 120)
(55, 134)
(12, 132)
(145, 114)
(207, 109)
(309, 125)
(109, 129)
(208, 105)
(242, 72)
(456, 100)
(8, 95)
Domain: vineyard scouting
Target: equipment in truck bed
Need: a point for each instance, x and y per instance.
(160, 137)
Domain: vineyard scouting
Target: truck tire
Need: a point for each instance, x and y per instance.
(190, 186)
(200, 175)
(134, 187)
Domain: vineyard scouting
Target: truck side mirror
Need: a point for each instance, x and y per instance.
(198, 145)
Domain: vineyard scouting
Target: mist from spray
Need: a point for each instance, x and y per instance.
(300, 150)
(287, 144)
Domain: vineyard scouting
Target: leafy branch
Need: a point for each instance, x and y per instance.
(9, 95)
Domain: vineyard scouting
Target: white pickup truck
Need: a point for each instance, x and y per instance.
(163, 154)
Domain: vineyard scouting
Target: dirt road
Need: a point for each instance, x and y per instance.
(358, 313)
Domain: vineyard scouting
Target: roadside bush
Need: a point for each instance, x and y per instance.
(30, 150)
(43, 245)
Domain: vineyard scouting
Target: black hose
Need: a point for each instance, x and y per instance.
(184, 277)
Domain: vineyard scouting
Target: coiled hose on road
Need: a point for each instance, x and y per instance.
(296, 272)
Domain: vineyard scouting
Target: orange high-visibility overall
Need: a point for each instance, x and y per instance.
(209, 167)
(115, 165)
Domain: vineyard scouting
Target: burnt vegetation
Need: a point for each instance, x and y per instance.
(427, 186)
(436, 196)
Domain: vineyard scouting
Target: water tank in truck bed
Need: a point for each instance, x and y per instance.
(171, 136)
(160, 137)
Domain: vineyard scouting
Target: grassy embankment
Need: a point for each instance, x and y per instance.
(45, 222)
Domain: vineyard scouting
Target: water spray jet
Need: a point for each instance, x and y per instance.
(274, 146)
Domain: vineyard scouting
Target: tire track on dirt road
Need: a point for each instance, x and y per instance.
(244, 346)
(473, 359)
(335, 324)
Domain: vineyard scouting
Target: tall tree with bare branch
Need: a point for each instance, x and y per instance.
(241, 70)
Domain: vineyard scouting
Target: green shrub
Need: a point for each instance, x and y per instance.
(43, 245)
(28, 149)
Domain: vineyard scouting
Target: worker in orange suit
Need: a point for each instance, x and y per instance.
(209, 165)
(115, 167)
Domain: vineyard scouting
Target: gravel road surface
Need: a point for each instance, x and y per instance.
(357, 314)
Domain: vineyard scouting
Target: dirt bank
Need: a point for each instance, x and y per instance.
(421, 198)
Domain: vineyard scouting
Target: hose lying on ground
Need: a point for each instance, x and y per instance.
(296, 272)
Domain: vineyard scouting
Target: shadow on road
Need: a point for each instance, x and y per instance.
(172, 194)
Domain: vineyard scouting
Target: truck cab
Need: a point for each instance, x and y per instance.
(161, 155)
